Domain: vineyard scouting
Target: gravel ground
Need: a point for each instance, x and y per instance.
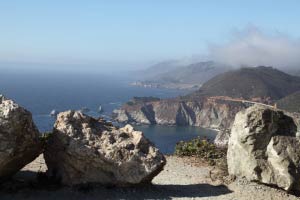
(181, 179)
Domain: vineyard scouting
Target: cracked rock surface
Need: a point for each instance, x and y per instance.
(85, 150)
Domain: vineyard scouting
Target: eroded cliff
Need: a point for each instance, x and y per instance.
(204, 112)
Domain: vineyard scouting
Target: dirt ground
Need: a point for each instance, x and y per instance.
(181, 179)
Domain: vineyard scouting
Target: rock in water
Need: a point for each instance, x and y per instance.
(263, 147)
(53, 113)
(85, 150)
(19, 138)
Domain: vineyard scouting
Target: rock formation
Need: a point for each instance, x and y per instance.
(85, 150)
(19, 138)
(204, 112)
(263, 147)
(222, 138)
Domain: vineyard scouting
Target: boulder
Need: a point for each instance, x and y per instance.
(19, 138)
(85, 150)
(263, 147)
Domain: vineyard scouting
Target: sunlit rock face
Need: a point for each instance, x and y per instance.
(85, 150)
(19, 138)
(204, 112)
(263, 147)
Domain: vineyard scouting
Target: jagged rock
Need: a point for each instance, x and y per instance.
(85, 150)
(19, 138)
(263, 147)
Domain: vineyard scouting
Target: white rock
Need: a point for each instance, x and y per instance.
(84, 150)
(19, 138)
(263, 147)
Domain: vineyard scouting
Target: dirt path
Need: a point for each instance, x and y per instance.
(179, 180)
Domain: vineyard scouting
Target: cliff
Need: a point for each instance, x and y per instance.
(205, 112)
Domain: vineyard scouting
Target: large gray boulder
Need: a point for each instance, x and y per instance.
(263, 147)
(85, 150)
(19, 138)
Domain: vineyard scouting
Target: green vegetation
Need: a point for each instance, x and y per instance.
(202, 148)
(290, 103)
(137, 100)
(45, 137)
(130, 103)
(252, 82)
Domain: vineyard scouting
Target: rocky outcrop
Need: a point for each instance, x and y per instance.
(263, 147)
(85, 150)
(222, 138)
(19, 138)
(204, 112)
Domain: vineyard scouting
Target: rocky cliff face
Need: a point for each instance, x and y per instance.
(205, 112)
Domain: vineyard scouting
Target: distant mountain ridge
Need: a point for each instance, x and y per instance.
(290, 103)
(252, 82)
(159, 68)
(190, 76)
(196, 73)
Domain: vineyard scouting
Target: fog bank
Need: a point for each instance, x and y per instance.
(253, 47)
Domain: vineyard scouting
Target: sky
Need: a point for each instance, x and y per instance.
(133, 34)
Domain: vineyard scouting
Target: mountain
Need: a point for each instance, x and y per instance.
(249, 83)
(207, 107)
(290, 103)
(183, 77)
(292, 70)
(159, 68)
(196, 73)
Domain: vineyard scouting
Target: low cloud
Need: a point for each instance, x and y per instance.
(253, 47)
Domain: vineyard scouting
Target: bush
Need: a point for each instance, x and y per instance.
(45, 137)
(202, 148)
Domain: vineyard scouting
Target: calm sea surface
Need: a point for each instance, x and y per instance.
(42, 92)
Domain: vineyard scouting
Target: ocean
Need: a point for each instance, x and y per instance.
(42, 92)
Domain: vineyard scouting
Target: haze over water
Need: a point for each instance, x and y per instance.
(42, 92)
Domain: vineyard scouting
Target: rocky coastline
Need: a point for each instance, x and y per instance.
(82, 151)
(205, 112)
(174, 86)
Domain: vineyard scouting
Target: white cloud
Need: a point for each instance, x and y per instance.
(252, 47)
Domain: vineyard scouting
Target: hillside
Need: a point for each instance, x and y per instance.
(290, 103)
(249, 83)
(159, 68)
(196, 73)
(182, 77)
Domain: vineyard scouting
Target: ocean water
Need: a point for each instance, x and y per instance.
(42, 92)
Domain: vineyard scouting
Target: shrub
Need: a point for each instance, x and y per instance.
(45, 137)
(202, 148)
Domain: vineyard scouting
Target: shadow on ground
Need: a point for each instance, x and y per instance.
(31, 189)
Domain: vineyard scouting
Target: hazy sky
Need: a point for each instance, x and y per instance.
(128, 33)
